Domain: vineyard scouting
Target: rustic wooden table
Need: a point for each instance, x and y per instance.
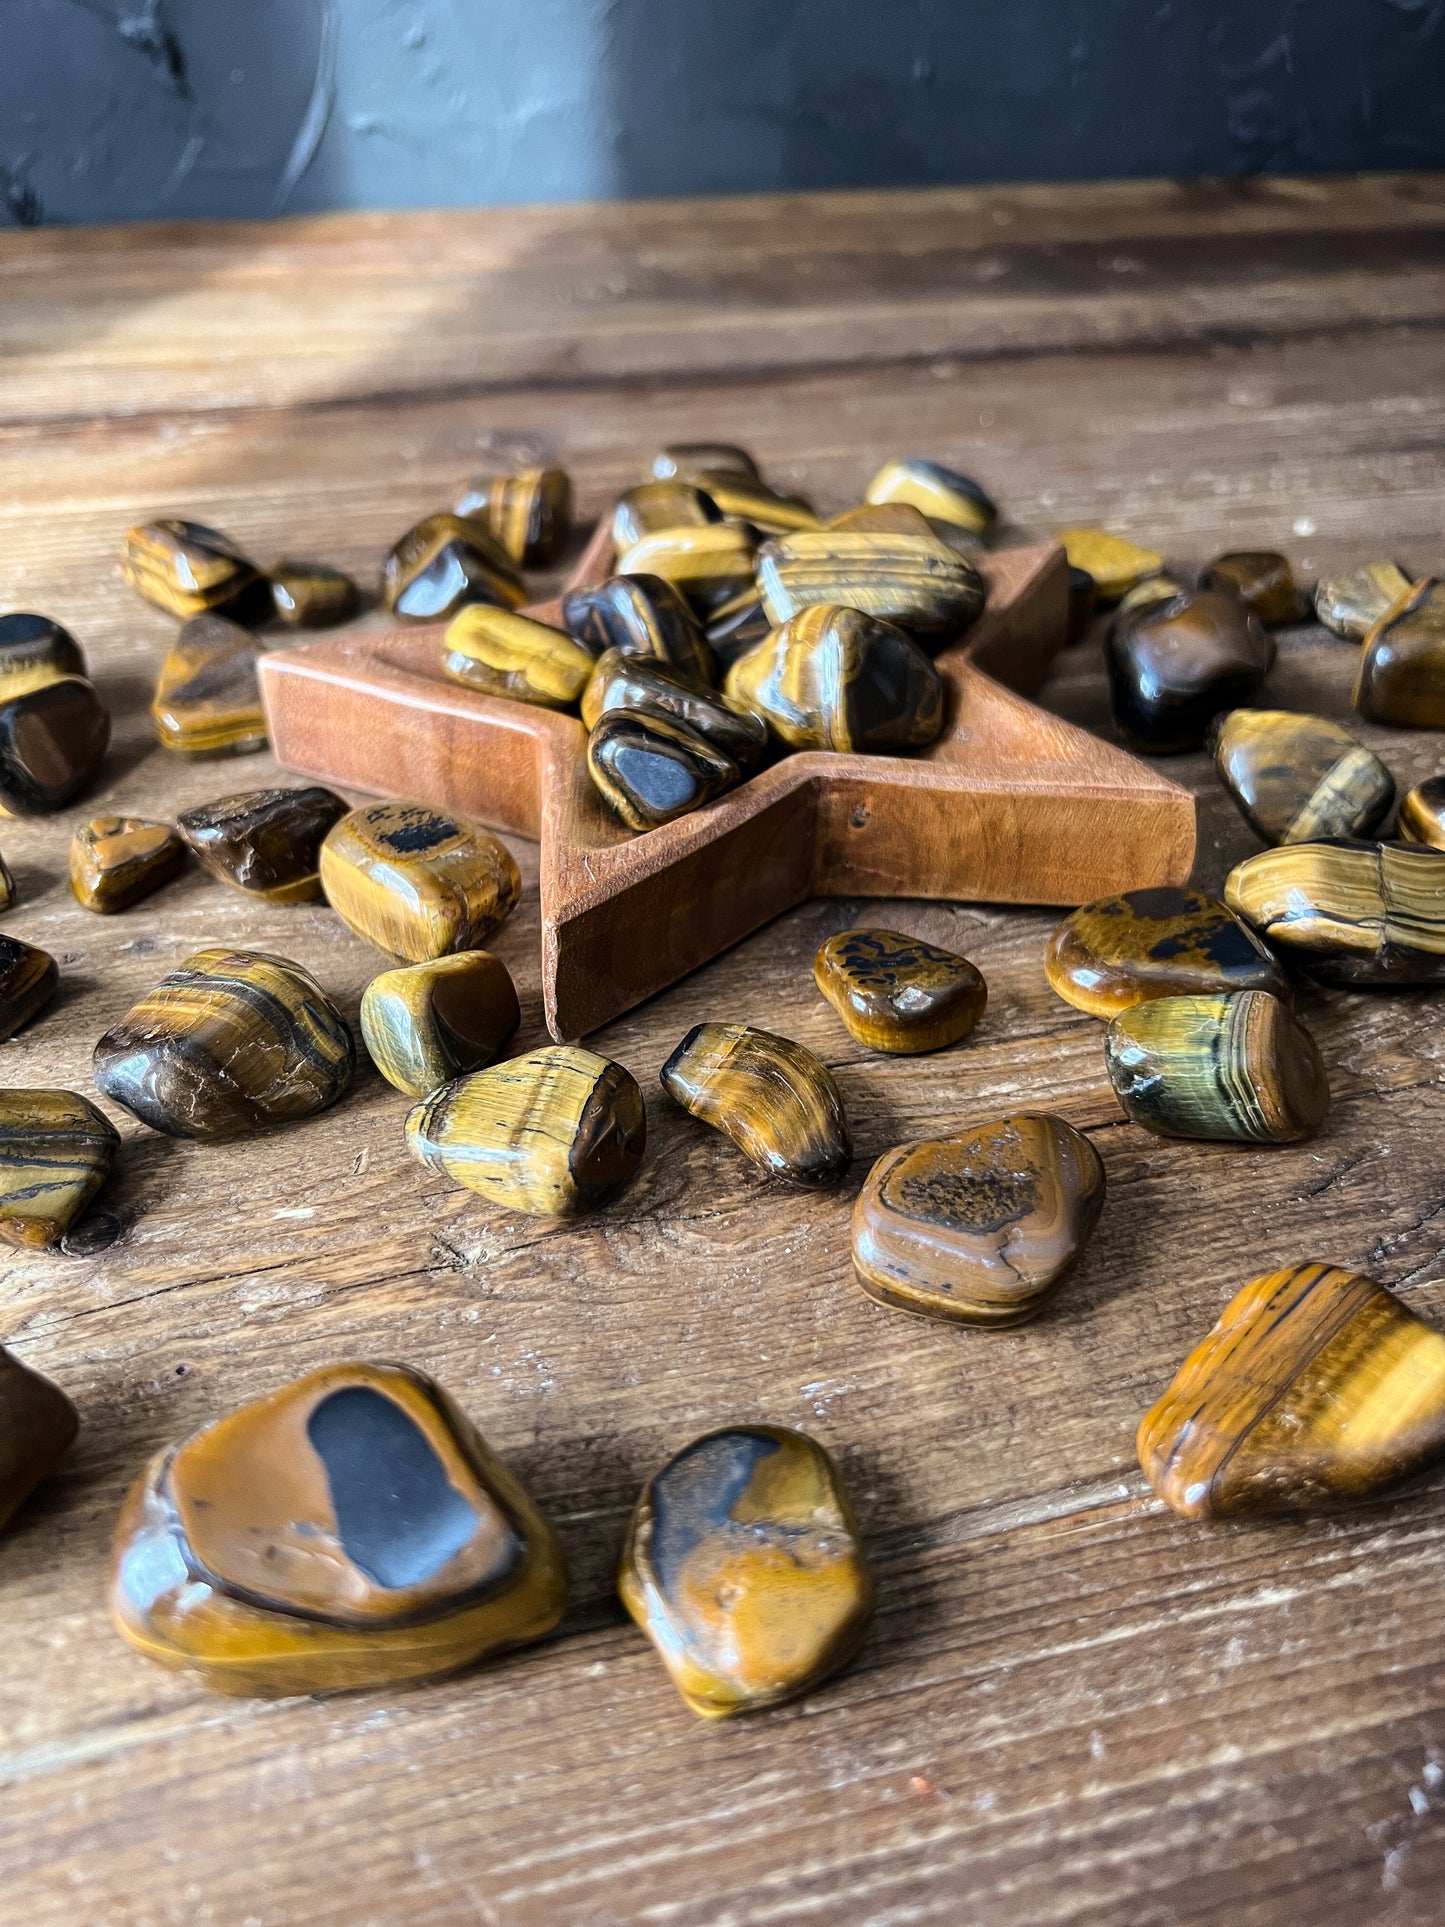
(1073, 1706)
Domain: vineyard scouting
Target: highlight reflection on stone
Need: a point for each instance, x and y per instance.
(620, 682)
(652, 506)
(117, 860)
(265, 843)
(28, 979)
(56, 1150)
(780, 1106)
(1161, 942)
(1422, 813)
(706, 566)
(503, 654)
(1299, 778)
(650, 768)
(186, 568)
(208, 694)
(1115, 563)
(35, 651)
(528, 514)
(311, 595)
(1173, 666)
(642, 616)
(442, 564)
(1402, 665)
(417, 882)
(835, 678)
(1348, 913)
(915, 581)
(53, 739)
(899, 994)
(1264, 582)
(426, 1024)
(942, 494)
(1351, 605)
(37, 1426)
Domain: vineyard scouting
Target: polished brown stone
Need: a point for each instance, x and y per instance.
(899, 994)
(1174, 666)
(1352, 913)
(528, 513)
(426, 1024)
(1422, 813)
(652, 506)
(1162, 942)
(642, 615)
(1264, 582)
(1351, 605)
(186, 568)
(1402, 665)
(621, 682)
(1297, 779)
(442, 564)
(735, 627)
(651, 768)
(772, 1097)
(38, 1424)
(417, 882)
(1238, 1067)
(208, 693)
(35, 651)
(740, 499)
(707, 566)
(914, 581)
(311, 595)
(56, 1150)
(835, 678)
(53, 740)
(28, 980)
(265, 843)
(942, 494)
(115, 861)
(685, 461)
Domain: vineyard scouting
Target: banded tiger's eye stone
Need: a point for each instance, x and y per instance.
(38, 1424)
(915, 581)
(56, 1150)
(1264, 582)
(982, 1228)
(652, 506)
(736, 626)
(1173, 666)
(1239, 1068)
(741, 499)
(417, 882)
(744, 1566)
(1402, 665)
(117, 860)
(265, 843)
(940, 493)
(835, 678)
(231, 1042)
(1162, 942)
(35, 651)
(620, 682)
(780, 1106)
(642, 616)
(1083, 597)
(686, 461)
(1299, 778)
(1348, 913)
(28, 979)
(52, 741)
(1116, 564)
(552, 1134)
(312, 595)
(899, 994)
(651, 768)
(442, 564)
(509, 655)
(1422, 813)
(186, 568)
(883, 518)
(707, 566)
(529, 514)
(349, 1530)
(426, 1024)
(208, 692)
(1350, 605)
(1316, 1387)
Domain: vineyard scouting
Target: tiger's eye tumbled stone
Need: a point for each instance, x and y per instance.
(1161, 942)
(553, 1133)
(651, 768)
(642, 616)
(1238, 1068)
(652, 506)
(417, 882)
(742, 500)
(899, 994)
(186, 568)
(835, 678)
(37, 1426)
(685, 461)
(117, 860)
(640, 682)
(311, 595)
(1402, 665)
(940, 493)
(744, 1566)
(1351, 605)
(230, 1042)
(28, 978)
(1422, 813)
(56, 1150)
(426, 1024)
(52, 741)
(1173, 666)
(1154, 588)
(1115, 564)
(706, 566)
(1348, 913)
(34, 651)
(982, 1228)
(528, 514)
(1264, 582)
(915, 581)
(208, 694)
(442, 564)
(266, 843)
(736, 626)
(1316, 1387)
(772, 1097)
(1300, 778)
(350, 1529)
(510, 655)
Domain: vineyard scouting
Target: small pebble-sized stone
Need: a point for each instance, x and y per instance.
(942, 494)
(229, 1043)
(736, 626)
(442, 564)
(1265, 583)
(1115, 563)
(981, 1228)
(349, 1530)
(1173, 666)
(52, 741)
(28, 979)
(56, 1150)
(187, 568)
(529, 513)
(642, 615)
(1160, 942)
(777, 1102)
(97, 1231)
(1422, 813)
(554, 1133)
(117, 860)
(651, 768)
(426, 1024)
(915, 581)
(741, 499)
(311, 595)
(208, 693)
(706, 566)
(744, 1566)
(899, 994)
(38, 1424)
(685, 461)
(835, 678)
(652, 506)
(503, 654)
(416, 881)
(621, 682)
(1083, 599)
(35, 651)
(1240, 1068)
(1350, 605)
(1352, 913)
(1316, 1387)
(1297, 779)
(265, 843)
(1402, 665)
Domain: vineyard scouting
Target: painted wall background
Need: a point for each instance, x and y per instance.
(132, 109)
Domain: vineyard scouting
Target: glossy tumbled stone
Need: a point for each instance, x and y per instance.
(350, 1529)
(650, 768)
(208, 692)
(1154, 588)
(311, 595)
(1160, 942)
(417, 882)
(1299, 778)
(1348, 913)
(1316, 1387)
(899, 994)
(230, 1042)
(37, 1426)
(117, 860)
(777, 1102)
(503, 654)
(744, 1566)
(265, 843)
(652, 506)
(56, 1150)
(706, 566)
(915, 581)
(744, 500)
(442, 564)
(1173, 666)
(553, 1133)
(1115, 563)
(1402, 665)
(52, 741)
(981, 1228)
(736, 626)
(426, 1024)
(35, 651)
(1264, 582)
(642, 616)
(1238, 1068)
(621, 682)
(1422, 813)
(186, 568)
(835, 678)
(529, 514)
(28, 978)
(1351, 605)
(940, 493)
(685, 461)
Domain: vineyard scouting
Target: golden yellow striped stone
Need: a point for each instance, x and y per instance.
(35, 651)
(417, 882)
(685, 461)
(444, 562)
(1299, 779)
(117, 860)
(652, 506)
(1351, 605)
(915, 581)
(311, 595)
(1115, 563)
(743, 500)
(426, 1024)
(208, 692)
(28, 980)
(37, 1425)
(705, 565)
(510, 655)
(1348, 913)
(621, 681)
(777, 1102)
(56, 1150)
(642, 615)
(529, 513)
(835, 678)
(942, 494)
(186, 568)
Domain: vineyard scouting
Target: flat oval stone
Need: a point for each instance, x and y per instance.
(777, 1102)
(1351, 605)
(52, 741)
(915, 581)
(311, 595)
(744, 1566)
(981, 1228)
(208, 693)
(187, 568)
(351, 1529)
(651, 768)
(443, 563)
(642, 616)
(899, 994)
(1348, 913)
(1116, 564)
(1173, 666)
(1422, 813)
(1241, 1069)
(741, 499)
(1264, 582)
(35, 651)
(835, 678)
(1316, 1387)
(736, 626)
(28, 978)
(942, 494)
(56, 1150)
(265, 843)
(554, 1133)
(620, 682)
(652, 506)
(427, 1024)
(1402, 666)
(417, 882)
(510, 655)
(706, 566)
(685, 461)
(528, 514)
(117, 860)
(1161, 942)
(38, 1424)
(229, 1043)
(1299, 778)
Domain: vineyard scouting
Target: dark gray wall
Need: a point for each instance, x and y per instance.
(121, 109)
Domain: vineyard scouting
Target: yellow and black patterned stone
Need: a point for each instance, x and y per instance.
(1402, 665)
(1348, 912)
(1161, 942)
(53, 739)
(1154, 588)
(38, 1424)
(686, 461)
(620, 682)
(650, 768)
(1351, 605)
(417, 882)
(899, 994)
(187, 568)
(1422, 813)
(744, 1566)
(28, 978)
(265, 843)
(942, 494)
(427, 1024)
(1173, 666)
(503, 654)
(777, 1102)
(835, 678)
(652, 506)
(981, 1228)
(35, 651)
(1264, 582)
(915, 581)
(740, 499)
(554, 1133)
(442, 564)
(528, 514)
(56, 1150)
(229, 1043)
(707, 566)
(208, 692)
(349, 1530)
(642, 615)
(1116, 564)
(1297, 778)
(311, 595)
(117, 860)
(736, 626)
